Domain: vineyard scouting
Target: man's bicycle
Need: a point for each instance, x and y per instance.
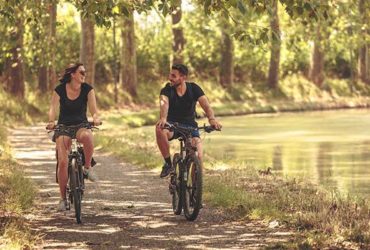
(186, 182)
(76, 178)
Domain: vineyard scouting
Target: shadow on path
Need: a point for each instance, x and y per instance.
(127, 208)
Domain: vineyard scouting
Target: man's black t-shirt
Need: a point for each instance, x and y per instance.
(73, 112)
(182, 108)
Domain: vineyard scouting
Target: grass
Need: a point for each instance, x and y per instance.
(16, 191)
(324, 218)
(25, 111)
(295, 94)
(16, 198)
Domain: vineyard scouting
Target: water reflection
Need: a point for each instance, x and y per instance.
(324, 164)
(277, 162)
(331, 148)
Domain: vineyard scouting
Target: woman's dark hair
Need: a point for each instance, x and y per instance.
(181, 68)
(72, 68)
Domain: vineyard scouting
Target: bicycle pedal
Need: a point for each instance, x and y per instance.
(171, 188)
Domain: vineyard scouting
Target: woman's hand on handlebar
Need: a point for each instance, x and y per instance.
(50, 125)
(161, 122)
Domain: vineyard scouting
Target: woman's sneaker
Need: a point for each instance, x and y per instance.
(88, 172)
(62, 206)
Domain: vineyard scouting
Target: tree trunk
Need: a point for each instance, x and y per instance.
(226, 64)
(128, 72)
(43, 78)
(52, 43)
(316, 74)
(178, 34)
(15, 67)
(273, 76)
(87, 49)
(364, 57)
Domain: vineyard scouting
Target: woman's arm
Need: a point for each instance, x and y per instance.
(54, 104)
(91, 101)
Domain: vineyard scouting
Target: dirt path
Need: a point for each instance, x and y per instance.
(128, 208)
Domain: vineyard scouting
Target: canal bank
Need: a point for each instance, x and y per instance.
(246, 190)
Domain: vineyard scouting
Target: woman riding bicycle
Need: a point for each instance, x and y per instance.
(72, 96)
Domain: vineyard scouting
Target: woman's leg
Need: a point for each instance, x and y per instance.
(63, 147)
(85, 137)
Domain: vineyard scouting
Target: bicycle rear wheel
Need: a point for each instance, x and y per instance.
(193, 190)
(176, 188)
(74, 185)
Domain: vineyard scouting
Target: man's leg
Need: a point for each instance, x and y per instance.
(162, 137)
(197, 141)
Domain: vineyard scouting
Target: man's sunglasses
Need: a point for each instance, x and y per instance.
(83, 73)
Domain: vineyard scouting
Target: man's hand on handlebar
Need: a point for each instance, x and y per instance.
(215, 124)
(97, 122)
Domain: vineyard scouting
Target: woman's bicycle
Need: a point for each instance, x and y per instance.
(186, 182)
(76, 178)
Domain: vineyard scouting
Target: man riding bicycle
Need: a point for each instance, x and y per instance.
(178, 100)
(72, 96)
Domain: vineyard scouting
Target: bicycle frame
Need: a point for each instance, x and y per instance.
(186, 181)
(75, 184)
(74, 153)
(187, 150)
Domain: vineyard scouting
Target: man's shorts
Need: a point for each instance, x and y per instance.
(176, 134)
(69, 131)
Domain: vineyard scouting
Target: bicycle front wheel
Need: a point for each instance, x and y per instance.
(74, 184)
(176, 185)
(194, 189)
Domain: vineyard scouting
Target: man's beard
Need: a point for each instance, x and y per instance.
(175, 85)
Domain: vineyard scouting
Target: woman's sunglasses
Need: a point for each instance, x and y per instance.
(83, 73)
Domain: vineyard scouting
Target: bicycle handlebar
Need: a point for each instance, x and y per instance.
(178, 127)
(91, 125)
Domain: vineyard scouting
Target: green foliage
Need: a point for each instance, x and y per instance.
(298, 88)
(129, 144)
(202, 43)
(154, 47)
(13, 110)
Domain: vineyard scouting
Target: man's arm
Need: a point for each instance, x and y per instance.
(203, 101)
(163, 109)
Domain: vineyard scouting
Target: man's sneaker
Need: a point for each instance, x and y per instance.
(166, 170)
(90, 174)
(62, 206)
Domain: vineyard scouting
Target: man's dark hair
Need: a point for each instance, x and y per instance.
(181, 68)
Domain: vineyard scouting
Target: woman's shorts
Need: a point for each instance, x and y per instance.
(69, 131)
